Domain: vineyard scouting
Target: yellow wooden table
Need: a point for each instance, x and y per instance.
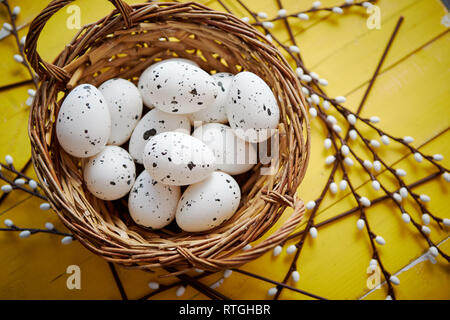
(411, 96)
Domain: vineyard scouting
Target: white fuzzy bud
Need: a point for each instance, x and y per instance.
(291, 249)
(303, 16)
(406, 217)
(315, 99)
(388, 297)
(23, 40)
(18, 58)
(433, 251)
(337, 128)
(329, 160)
(66, 240)
(245, 19)
(337, 10)
(7, 188)
(295, 276)
(305, 91)
(33, 184)
(316, 4)
(426, 219)
(305, 77)
(44, 206)
(153, 285)
(376, 185)
(313, 112)
(380, 240)
(227, 273)
(282, 13)
(333, 187)
(295, 49)
(367, 164)
(49, 226)
(331, 119)
(348, 161)
(408, 139)
(340, 99)
(8, 223)
(360, 224)
(351, 119)
(7, 27)
(180, 291)
(16, 11)
(375, 143)
(29, 101)
(262, 15)
(313, 232)
(268, 25)
(374, 119)
(446, 176)
(365, 202)
(424, 198)
(394, 280)
(367, 4)
(446, 222)
(418, 157)
(397, 197)
(327, 143)
(272, 291)
(426, 230)
(25, 234)
(323, 82)
(310, 205)
(247, 247)
(438, 157)
(373, 262)
(326, 105)
(9, 160)
(348, 1)
(300, 72)
(353, 134)
(314, 75)
(19, 182)
(400, 172)
(403, 192)
(343, 185)
(277, 250)
(377, 166)
(385, 140)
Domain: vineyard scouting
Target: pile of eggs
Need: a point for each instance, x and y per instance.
(98, 124)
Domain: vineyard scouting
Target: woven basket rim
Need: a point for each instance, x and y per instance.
(95, 223)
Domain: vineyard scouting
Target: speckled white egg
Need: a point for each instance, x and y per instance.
(110, 174)
(216, 111)
(175, 158)
(233, 155)
(153, 123)
(251, 107)
(178, 87)
(83, 124)
(208, 203)
(151, 203)
(125, 107)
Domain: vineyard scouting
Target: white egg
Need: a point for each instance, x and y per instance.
(251, 108)
(125, 107)
(175, 158)
(216, 111)
(177, 87)
(153, 123)
(83, 124)
(233, 155)
(208, 203)
(151, 203)
(110, 174)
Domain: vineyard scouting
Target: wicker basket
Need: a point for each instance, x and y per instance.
(123, 44)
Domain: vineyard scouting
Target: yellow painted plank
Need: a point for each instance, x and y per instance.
(331, 44)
